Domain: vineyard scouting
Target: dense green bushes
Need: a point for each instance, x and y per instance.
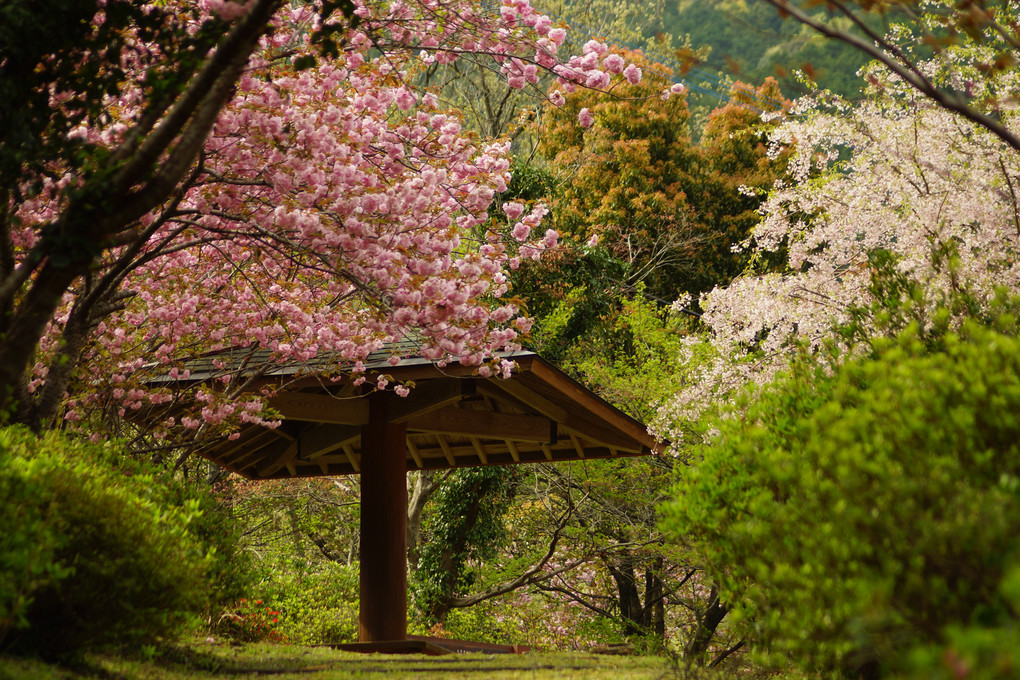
(97, 550)
(320, 606)
(865, 518)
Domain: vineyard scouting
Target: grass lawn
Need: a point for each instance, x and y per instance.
(288, 662)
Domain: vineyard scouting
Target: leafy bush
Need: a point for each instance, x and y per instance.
(974, 650)
(318, 606)
(230, 571)
(250, 621)
(93, 550)
(854, 514)
(464, 528)
(28, 540)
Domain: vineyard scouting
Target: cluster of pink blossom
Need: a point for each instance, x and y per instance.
(334, 209)
(917, 178)
(546, 621)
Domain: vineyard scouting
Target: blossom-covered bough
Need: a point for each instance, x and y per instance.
(188, 177)
(894, 181)
(939, 26)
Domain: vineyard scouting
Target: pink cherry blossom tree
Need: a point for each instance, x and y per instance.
(258, 178)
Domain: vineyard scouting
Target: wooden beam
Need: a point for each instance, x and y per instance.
(255, 454)
(479, 449)
(307, 445)
(318, 441)
(596, 431)
(429, 396)
(584, 397)
(349, 453)
(232, 453)
(472, 423)
(445, 446)
(434, 451)
(525, 457)
(465, 456)
(413, 450)
(276, 457)
(321, 408)
(578, 446)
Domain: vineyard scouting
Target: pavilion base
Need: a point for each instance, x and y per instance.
(419, 644)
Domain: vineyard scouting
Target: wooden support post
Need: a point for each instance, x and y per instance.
(383, 614)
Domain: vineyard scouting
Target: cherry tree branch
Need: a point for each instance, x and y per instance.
(886, 54)
(191, 118)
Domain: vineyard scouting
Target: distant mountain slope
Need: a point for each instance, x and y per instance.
(750, 41)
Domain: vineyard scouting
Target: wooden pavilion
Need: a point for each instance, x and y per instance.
(451, 418)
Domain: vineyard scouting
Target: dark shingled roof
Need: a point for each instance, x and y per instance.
(454, 417)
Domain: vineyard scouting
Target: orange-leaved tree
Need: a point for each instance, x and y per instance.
(623, 180)
(667, 210)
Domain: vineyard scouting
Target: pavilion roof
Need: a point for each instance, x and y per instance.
(453, 417)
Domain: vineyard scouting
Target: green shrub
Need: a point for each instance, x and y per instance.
(972, 650)
(313, 607)
(249, 621)
(96, 552)
(230, 571)
(852, 515)
(29, 537)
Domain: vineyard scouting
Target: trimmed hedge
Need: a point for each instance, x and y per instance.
(865, 519)
(96, 549)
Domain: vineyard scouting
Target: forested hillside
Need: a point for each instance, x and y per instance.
(749, 40)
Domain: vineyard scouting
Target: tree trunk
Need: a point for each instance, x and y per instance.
(422, 487)
(654, 618)
(25, 328)
(109, 205)
(702, 636)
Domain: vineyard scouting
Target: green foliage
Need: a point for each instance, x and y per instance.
(96, 548)
(249, 621)
(528, 182)
(640, 367)
(303, 536)
(974, 650)
(571, 294)
(465, 526)
(317, 607)
(625, 179)
(899, 301)
(29, 539)
(637, 204)
(482, 623)
(854, 513)
(752, 41)
(308, 607)
(294, 525)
